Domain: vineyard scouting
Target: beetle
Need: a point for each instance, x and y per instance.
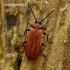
(34, 43)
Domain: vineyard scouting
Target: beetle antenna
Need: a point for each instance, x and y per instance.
(48, 15)
(32, 11)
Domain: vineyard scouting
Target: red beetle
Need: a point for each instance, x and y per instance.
(34, 41)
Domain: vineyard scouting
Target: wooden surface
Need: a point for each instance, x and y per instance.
(57, 51)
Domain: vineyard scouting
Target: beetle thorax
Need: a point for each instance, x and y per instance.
(37, 26)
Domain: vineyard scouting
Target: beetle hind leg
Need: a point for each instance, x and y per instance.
(25, 32)
(42, 50)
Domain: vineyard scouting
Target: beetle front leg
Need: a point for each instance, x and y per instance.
(26, 31)
(23, 43)
(43, 49)
(43, 28)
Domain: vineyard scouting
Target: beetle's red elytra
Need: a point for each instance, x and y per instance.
(34, 43)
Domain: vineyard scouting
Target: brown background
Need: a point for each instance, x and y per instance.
(13, 22)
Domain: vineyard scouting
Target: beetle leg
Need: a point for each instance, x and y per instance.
(30, 24)
(44, 46)
(43, 28)
(43, 49)
(24, 43)
(46, 35)
(26, 31)
(20, 35)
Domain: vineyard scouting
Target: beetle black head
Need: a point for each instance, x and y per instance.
(38, 21)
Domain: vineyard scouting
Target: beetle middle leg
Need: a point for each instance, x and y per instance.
(44, 46)
(47, 40)
(46, 35)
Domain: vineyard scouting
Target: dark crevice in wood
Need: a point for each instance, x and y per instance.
(10, 20)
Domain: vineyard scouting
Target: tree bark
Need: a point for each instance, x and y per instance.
(14, 22)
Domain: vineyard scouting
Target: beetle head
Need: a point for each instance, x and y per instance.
(38, 21)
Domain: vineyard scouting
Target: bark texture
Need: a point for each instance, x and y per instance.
(13, 23)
